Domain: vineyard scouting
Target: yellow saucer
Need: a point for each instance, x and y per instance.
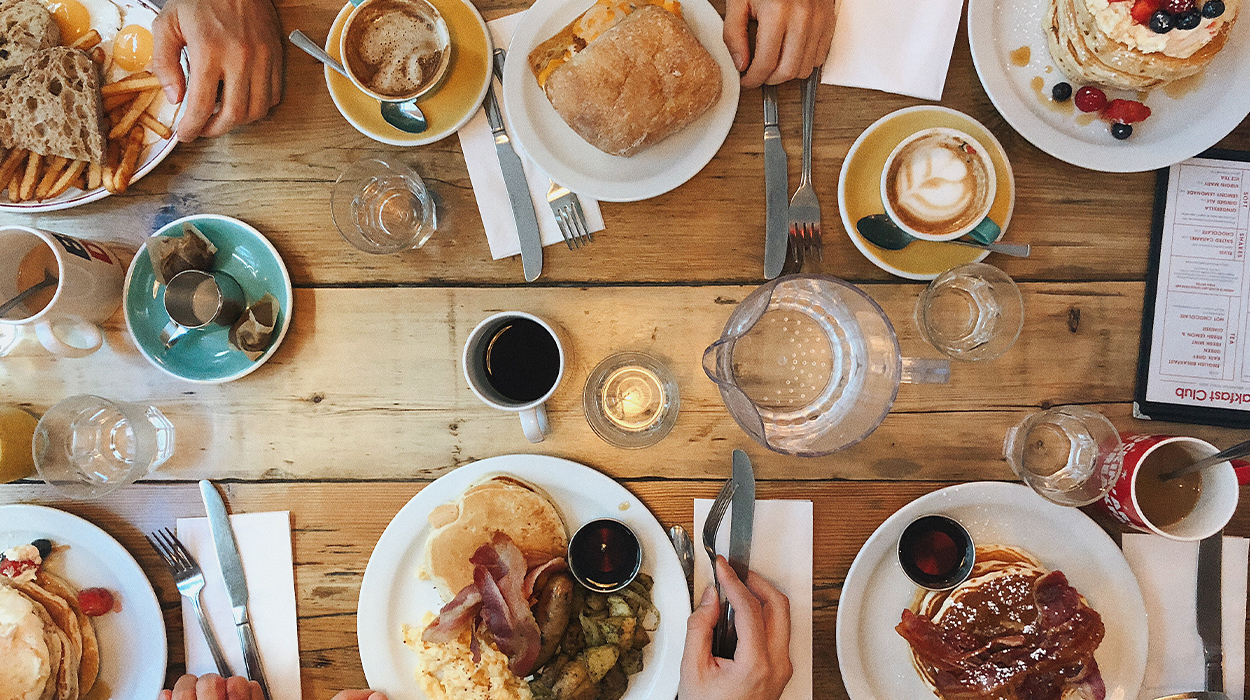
(449, 106)
(859, 189)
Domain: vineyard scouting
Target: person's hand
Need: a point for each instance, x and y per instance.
(359, 695)
(233, 46)
(213, 687)
(793, 37)
(761, 666)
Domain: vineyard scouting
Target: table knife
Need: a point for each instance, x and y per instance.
(1209, 606)
(236, 584)
(518, 187)
(741, 526)
(776, 188)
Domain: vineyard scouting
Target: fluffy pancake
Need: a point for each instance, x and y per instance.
(27, 666)
(90, 666)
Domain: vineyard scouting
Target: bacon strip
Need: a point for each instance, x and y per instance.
(454, 616)
(538, 575)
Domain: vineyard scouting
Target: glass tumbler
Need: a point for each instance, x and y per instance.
(971, 312)
(1069, 455)
(382, 207)
(86, 447)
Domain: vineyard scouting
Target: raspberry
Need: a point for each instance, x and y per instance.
(1125, 112)
(1178, 6)
(95, 601)
(1090, 99)
(14, 568)
(1143, 9)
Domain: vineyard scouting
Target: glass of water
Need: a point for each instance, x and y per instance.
(971, 312)
(86, 447)
(1070, 455)
(382, 207)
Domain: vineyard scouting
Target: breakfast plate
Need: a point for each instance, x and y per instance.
(132, 639)
(449, 106)
(1187, 117)
(207, 356)
(574, 163)
(131, 13)
(392, 596)
(859, 190)
(876, 662)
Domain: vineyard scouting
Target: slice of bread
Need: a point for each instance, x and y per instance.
(26, 27)
(52, 106)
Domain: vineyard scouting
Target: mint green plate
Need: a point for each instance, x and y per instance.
(207, 356)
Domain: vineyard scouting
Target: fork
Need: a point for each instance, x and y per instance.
(710, 527)
(804, 207)
(569, 215)
(190, 581)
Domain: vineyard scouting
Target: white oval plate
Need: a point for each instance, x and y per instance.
(568, 159)
(876, 662)
(132, 640)
(391, 596)
(1176, 130)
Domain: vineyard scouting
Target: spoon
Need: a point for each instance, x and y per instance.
(405, 116)
(48, 281)
(685, 552)
(884, 233)
(1241, 449)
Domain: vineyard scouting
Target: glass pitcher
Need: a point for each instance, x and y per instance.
(809, 365)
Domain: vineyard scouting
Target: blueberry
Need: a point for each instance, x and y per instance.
(44, 547)
(1121, 131)
(1062, 91)
(1188, 20)
(1160, 22)
(1213, 9)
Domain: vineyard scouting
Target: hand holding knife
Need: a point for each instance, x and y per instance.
(741, 525)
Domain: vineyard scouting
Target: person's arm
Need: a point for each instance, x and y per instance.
(233, 47)
(793, 38)
(761, 666)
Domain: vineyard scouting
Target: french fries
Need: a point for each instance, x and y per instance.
(87, 41)
(137, 82)
(131, 117)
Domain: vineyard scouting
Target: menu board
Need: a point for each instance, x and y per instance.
(1195, 355)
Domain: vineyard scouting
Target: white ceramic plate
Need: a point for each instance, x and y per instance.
(876, 662)
(132, 641)
(392, 596)
(1178, 128)
(570, 160)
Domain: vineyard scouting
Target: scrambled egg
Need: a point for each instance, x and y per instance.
(447, 672)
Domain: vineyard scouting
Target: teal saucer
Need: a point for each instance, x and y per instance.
(206, 356)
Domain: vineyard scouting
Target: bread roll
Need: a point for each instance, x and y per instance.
(52, 106)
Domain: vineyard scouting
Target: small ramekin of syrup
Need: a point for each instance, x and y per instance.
(936, 552)
(605, 555)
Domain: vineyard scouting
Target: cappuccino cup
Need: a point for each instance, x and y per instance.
(939, 184)
(395, 50)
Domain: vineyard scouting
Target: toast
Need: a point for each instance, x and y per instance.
(26, 28)
(52, 106)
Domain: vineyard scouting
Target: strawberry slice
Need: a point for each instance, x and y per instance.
(1143, 9)
(14, 569)
(95, 602)
(1125, 112)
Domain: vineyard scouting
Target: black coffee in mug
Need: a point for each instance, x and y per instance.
(522, 360)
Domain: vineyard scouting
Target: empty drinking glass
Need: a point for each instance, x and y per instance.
(87, 447)
(382, 207)
(1069, 454)
(971, 312)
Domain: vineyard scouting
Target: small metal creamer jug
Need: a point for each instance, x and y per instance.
(809, 365)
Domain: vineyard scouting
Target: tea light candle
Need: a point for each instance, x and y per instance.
(632, 398)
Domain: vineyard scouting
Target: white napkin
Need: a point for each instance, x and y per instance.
(1167, 570)
(265, 544)
(919, 34)
(781, 551)
(478, 145)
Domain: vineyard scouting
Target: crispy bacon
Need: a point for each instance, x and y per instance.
(454, 616)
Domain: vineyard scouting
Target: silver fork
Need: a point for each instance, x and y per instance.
(569, 215)
(804, 207)
(190, 581)
(710, 527)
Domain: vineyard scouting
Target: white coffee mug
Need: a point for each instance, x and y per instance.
(90, 275)
(977, 220)
(533, 414)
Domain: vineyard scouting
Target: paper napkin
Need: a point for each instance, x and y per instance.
(265, 544)
(781, 551)
(1167, 571)
(478, 145)
(920, 35)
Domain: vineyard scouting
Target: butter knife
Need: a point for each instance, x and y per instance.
(776, 186)
(1210, 608)
(514, 179)
(741, 528)
(236, 584)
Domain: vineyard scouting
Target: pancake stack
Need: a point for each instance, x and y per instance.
(48, 644)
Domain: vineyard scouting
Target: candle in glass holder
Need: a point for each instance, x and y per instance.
(633, 398)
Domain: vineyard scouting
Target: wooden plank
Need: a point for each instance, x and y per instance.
(331, 551)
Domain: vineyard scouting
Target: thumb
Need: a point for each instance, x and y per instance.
(167, 44)
(735, 32)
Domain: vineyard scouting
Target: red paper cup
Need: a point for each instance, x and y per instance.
(1216, 502)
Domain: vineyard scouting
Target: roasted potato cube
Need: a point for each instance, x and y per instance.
(575, 682)
(617, 607)
(631, 661)
(620, 631)
(614, 684)
(600, 660)
(592, 630)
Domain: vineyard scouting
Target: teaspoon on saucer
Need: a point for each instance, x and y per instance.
(883, 233)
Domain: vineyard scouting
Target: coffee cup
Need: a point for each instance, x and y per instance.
(395, 50)
(197, 300)
(939, 184)
(1190, 508)
(82, 287)
(513, 361)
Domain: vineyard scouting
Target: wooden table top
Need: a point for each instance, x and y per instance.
(365, 402)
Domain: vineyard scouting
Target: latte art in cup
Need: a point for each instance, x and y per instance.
(396, 49)
(938, 184)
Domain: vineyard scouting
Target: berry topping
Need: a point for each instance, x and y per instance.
(1188, 20)
(95, 601)
(1126, 112)
(1121, 131)
(44, 547)
(1213, 9)
(1176, 7)
(1090, 99)
(16, 568)
(1061, 92)
(1144, 9)
(1161, 22)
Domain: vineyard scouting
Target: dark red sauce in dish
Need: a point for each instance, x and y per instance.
(936, 552)
(605, 555)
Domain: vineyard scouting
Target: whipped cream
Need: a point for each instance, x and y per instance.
(1114, 20)
(26, 553)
